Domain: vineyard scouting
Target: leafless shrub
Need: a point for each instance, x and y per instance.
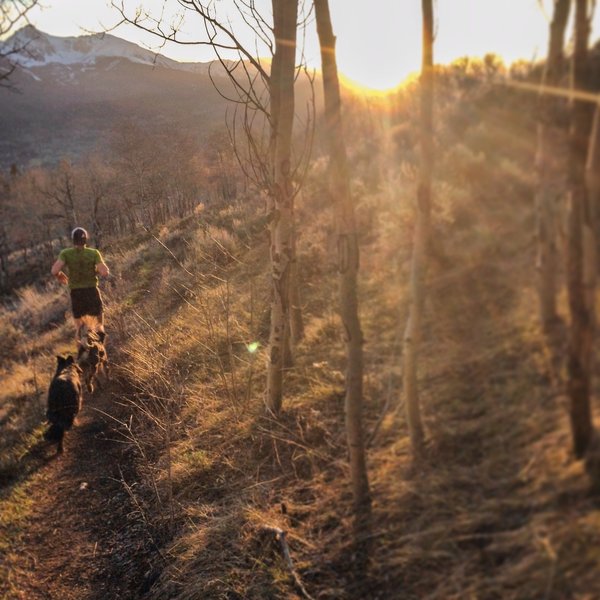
(32, 312)
(12, 338)
(37, 309)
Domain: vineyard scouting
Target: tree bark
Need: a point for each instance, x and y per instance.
(580, 260)
(348, 262)
(546, 197)
(285, 15)
(296, 320)
(412, 332)
(295, 328)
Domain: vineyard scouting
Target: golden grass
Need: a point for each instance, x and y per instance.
(483, 516)
(34, 332)
(497, 509)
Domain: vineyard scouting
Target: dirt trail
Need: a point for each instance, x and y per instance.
(82, 539)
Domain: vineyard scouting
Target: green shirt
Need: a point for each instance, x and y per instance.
(81, 265)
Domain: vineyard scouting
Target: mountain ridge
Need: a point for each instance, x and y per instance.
(30, 47)
(72, 93)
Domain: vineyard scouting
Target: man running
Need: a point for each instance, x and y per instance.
(83, 265)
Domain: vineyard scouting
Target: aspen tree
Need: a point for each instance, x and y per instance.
(581, 267)
(281, 86)
(546, 194)
(348, 261)
(412, 332)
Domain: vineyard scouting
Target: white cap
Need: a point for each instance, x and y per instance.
(82, 233)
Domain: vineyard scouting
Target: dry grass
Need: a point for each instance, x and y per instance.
(483, 516)
(30, 315)
(33, 331)
(496, 509)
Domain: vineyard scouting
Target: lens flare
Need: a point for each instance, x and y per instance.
(252, 347)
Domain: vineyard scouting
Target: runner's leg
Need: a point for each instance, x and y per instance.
(78, 326)
(100, 315)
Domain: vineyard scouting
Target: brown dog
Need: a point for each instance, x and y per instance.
(92, 358)
(64, 399)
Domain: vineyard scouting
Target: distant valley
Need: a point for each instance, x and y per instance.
(69, 94)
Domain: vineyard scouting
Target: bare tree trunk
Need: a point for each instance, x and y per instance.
(96, 228)
(71, 215)
(296, 320)
(412, 333)
(294, 329)
(348, 263)
(285, 15)
(580, 261)
(4, 239)
(4, 277)
(546, 197)
(592, 169)
(592, 181)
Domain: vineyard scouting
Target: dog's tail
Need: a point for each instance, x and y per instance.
(54, 433)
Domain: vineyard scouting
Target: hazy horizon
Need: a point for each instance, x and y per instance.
(376, 48)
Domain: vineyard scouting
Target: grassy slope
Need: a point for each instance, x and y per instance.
(497, 510)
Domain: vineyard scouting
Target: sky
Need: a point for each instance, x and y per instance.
(377, 47)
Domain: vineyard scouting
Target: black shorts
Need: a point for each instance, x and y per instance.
(86, 301)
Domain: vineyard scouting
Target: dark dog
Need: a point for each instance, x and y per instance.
(92, 358)
(64, 399)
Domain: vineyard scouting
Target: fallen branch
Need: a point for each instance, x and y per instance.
(280, 536)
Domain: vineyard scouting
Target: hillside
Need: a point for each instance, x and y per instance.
(69, 95)
(195, 477)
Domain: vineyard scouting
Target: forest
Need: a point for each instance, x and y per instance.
(350, 336)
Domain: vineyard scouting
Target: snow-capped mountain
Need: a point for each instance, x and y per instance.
(74, 93)
(31, 48)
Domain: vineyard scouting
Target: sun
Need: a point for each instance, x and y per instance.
(361, 89)
(376, 70)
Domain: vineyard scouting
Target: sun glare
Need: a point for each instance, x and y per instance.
(375, 91)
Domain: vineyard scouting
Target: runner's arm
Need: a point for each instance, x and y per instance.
(57, 271)
(102, 269)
